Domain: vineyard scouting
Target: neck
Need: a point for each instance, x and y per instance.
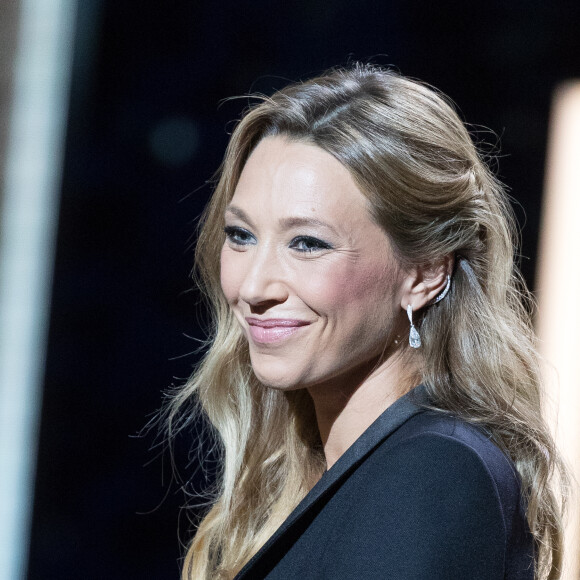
(346, 408)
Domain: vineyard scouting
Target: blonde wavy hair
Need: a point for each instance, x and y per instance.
(433, 194)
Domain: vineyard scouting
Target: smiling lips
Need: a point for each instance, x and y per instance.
(273, 329)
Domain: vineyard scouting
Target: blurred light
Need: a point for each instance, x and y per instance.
(558, 285)
(27, 233)
(174, 141)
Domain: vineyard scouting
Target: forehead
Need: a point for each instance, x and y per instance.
(287, 177)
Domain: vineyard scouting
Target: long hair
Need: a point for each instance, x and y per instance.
(431, 191)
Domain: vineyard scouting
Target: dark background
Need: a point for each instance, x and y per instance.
(145, 133)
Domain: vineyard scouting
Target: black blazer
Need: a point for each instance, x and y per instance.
(421, 495)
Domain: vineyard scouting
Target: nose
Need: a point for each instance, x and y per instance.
(263, 284)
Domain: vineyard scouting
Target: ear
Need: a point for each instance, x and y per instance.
(423, 283)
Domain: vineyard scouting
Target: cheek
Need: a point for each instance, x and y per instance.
(353, 286)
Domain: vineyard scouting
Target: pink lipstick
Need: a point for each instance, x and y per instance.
(273, 329)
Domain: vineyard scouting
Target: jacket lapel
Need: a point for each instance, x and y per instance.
(399, 412)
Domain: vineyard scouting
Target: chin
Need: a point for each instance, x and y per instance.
(280, 383)
(275, 375)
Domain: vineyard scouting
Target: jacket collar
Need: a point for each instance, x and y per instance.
(390, 420)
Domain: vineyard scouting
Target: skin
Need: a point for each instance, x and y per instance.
(317, 289)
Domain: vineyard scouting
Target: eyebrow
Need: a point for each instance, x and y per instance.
(293, 222)
(287, 223)
(240, 213)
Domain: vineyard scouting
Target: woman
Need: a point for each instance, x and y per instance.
(371, 377)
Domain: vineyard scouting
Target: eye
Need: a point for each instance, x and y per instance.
(237, 236)
(308, 244)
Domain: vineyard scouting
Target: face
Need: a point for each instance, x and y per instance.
(311, 278)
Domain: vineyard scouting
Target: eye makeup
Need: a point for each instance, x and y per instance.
(238, 236)
(309, 244)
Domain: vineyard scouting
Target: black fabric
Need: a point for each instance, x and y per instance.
(420, 495)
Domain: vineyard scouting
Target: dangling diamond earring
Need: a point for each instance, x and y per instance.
(414, 338)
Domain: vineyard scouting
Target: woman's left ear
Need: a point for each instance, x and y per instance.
(425, 282)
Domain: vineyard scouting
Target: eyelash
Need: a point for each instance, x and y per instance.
(316, 244)
(240, 237)
(234, 235)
